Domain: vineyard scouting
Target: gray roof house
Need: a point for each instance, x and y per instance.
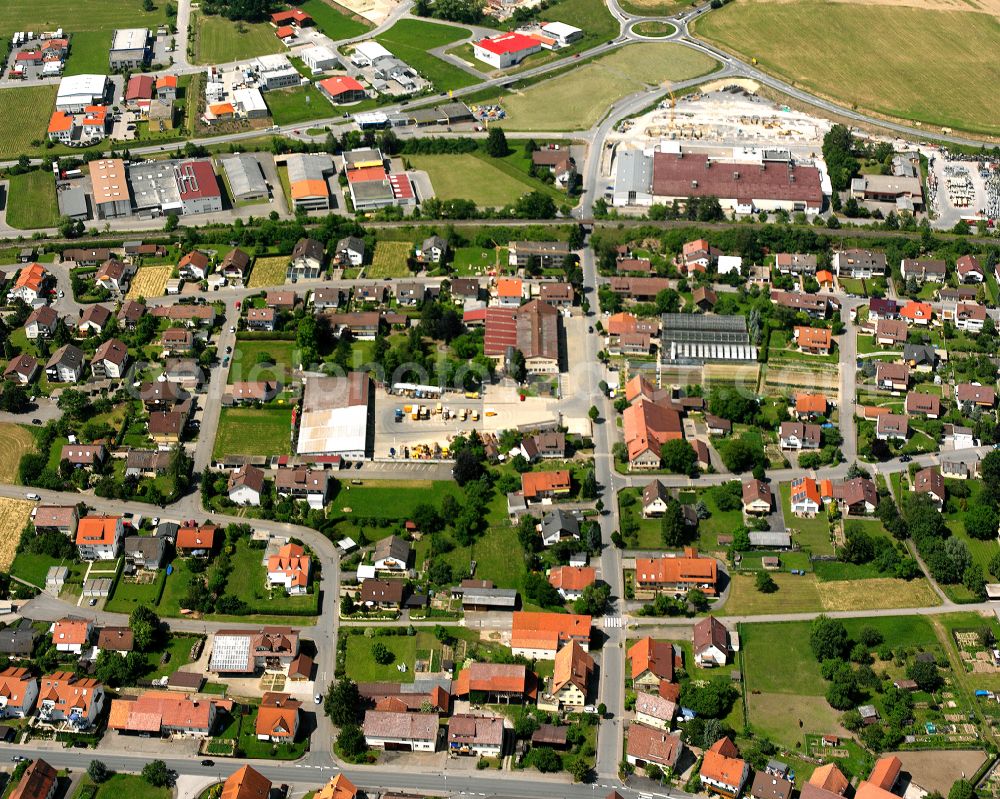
(145, 551)
(557, 526)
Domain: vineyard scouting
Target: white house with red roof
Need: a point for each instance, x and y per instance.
(100, 537)
(506, 50)
(289, 569)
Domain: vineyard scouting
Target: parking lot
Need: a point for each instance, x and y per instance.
(499, 408)
(958, 189)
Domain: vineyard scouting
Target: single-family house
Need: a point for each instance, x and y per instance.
(757, 498)
(711, 643)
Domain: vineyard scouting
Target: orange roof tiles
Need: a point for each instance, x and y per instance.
(337, 788)
(97, 530)
(292, 561)
(824, 276)
(572, 578)
(154, 711)
(547, 630)
(810, 403)
(572, 666)
(917, 311)
(813, 337)
(60, 121)
(656, 657)
(621, 323)
(309, 188)
(829, 778)
(32, 277)
(167, 81)
(221, 109)
(648, 425)
(66, 691)
(278, 716)
(886, 772)
(804, 488)
(690, 569)
(197, 537)
(71, 631)
(247, 783)
(721, 768)
(534, 483)
(509, 287)
(511, 678)
(364, 174)
(14, 684)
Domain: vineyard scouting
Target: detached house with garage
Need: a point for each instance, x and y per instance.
(805, 497)
(648, 745)
(969, 269)
(245, 485)
(757, 498)
(72, 635)
(289, 568)
(711, 643)
(278, 718)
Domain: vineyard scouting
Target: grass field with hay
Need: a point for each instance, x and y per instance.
(14, 515)
(577, 99)
(389, 260)
(805, 593)
(909, 63)
(150, 281)
(269, 271)
(24, 117)
(15, 441)
(467, 177)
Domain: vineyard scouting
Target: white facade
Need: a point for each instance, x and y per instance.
(563, 34)
(244, 495)
(729, 263)
(78, 91)
(27, 702)
(367, 52)
(319, 58)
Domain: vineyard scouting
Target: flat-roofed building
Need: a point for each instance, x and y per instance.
(307, 180)
(110, 188)
(246, 178)
(696, 339)
(337, 415)
(129, 49)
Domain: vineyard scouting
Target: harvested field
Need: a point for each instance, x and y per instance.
(15, 441)
(150, 281)
(938, 769)
(24, 117)
(802, 377)
(389, 260)
(732, 374)
(14, 514)
(879, 593)
(268, 271)
(916, 64)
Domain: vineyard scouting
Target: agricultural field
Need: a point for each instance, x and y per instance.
(268, 271)
(15, 441)
(32, 201)
(806, 593)
(410, 40)
(910, 63)
(468, 177)
(217, 40)
(150, 281)
(301, 104)
(390, 259)
(653, 8)
(254, 431)
(577, 99)
(14, 514)
(24, 116)
(333, 22)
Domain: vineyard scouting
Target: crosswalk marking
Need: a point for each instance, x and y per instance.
(612, 621)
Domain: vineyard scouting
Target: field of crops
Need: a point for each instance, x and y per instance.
(14, 514)
(24, 117)
(268, 271)
(389, 260)
(32, 202)
(150, 281)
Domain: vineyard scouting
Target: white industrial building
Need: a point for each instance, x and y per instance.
(180, 187)
(563, 34)
(78, 91)
(633, 178)
(366, 53)
(319, 58)
(337, 414)
(129, 48)
(275, 72)
(250, 103)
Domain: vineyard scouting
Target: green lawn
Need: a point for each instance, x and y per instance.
(32, 568)
(813, 534)
(252, 748)
(411, 39)
(332, 22)
(982, 551)
(498, 555)
(649, 535)
(246, 582)
(247, 363)
(32, 201)
(178, 582)
(24, 116)
(178, 646)
(578, 98)
(469, 177)
(478, 260)
(720, 522)
(383, 499)
(301, 104)
(361, 665)
(218, 40)
(125, 786)
(128, 596)
(254, 431)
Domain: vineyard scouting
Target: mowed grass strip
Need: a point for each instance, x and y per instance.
(32, 202)
(15, 441)
(467, 177)
(410, 40)
(335, 22)
(269, 271)
(218, 40)
(361, 665)
(300, 104)
(77, 15)
(577, 99)
(248, 365)
(391, 499)
(909, 63)
(254, 431)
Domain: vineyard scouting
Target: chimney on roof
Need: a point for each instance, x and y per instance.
(708, 164)
(694, 184)
(736, 175)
